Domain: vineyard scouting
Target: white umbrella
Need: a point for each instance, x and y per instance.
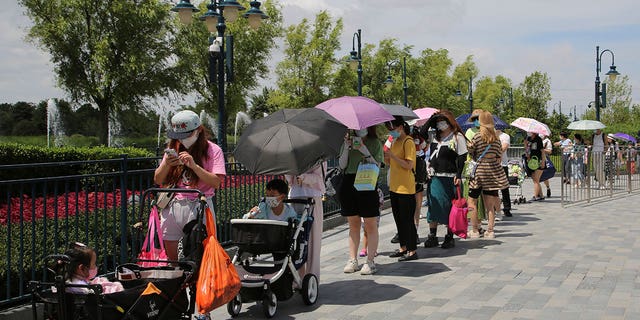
(586, 125)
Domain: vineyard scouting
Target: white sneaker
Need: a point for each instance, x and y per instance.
(368, 268)
(473, 234)
(498, 217)
(351, 266)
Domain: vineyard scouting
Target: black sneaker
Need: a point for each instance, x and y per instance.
(417, 239)
(507, 213)
(548, 193)
(395, 239)
(432, 241)
(448, 242)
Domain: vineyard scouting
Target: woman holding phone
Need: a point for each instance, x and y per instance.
(191, 161)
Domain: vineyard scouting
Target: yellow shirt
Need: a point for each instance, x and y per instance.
(402, 180)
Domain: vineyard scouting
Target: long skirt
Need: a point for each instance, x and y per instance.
(441, 192)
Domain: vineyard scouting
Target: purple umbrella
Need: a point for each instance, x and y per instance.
(624, 136)
(356, 112)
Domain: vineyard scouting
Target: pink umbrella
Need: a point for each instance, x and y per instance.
(531, 125)
(423, 115)
(356, 112)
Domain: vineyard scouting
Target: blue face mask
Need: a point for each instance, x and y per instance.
(395, 134)
(476, 123)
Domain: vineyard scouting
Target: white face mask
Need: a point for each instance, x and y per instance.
(442, 125)
(272, 201)
(361, 133)
(188, 142)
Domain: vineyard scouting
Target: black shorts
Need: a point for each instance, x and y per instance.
(358, 203)
(475, 193)
(419, 187)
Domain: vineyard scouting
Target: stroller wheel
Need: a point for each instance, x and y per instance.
(269, 304)
(234, 306)
(310, 289)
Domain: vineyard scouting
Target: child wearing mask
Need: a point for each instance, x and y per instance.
(82, 267)
(273, 207)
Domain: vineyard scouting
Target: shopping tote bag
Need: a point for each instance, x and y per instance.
(149, 250)
(218, 281)
(366, 177)
(458, 222)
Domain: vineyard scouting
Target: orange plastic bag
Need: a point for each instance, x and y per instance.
(218, 281)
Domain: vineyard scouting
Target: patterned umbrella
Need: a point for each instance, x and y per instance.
(531, 125)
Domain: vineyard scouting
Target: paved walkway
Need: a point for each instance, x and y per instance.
(546, 262)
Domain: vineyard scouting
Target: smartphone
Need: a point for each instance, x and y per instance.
(171, 152)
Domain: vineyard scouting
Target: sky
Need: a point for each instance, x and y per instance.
(512, 38)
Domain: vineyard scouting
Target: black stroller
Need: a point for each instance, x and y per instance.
(268, 280)
(158, 292)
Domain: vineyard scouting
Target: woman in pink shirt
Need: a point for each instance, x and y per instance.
(197, 164)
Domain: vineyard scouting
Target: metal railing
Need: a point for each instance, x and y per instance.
(589, 175)
(41, 216)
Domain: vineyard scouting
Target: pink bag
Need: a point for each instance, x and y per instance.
(458, 222)
(149, 250)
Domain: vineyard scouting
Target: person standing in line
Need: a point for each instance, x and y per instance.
(446, 162)
(566, 146)
(598, 145)
(195, 163)
(533, 143)
(421, 146)
(577, 160)
(486, 149)
(360, 146)
(612, 156)
(401, 159)
(311, 185)
(547, 146)
(505, 143)
(469, 134)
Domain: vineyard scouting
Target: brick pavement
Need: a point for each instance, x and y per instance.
(547, 262)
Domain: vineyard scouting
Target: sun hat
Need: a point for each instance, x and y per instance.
(182, 124)
(611, 136)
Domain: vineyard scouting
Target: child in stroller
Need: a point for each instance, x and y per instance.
(516, 170)
(274, 276)
(75, 293)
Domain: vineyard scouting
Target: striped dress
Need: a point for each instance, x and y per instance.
(489, 173)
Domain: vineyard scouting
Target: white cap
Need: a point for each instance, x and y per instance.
(182, 124)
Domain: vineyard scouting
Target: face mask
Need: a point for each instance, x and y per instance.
(394, 134)
(272, 201)
(188, 142)
(361, 133)
(442, 125)
(476, 123)
(93, 273)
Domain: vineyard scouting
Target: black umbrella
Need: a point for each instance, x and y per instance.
(400, 111)
(290, 141)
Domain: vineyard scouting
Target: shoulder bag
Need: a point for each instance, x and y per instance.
(473, 165)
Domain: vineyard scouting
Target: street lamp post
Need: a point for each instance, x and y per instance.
(509, 93)
(389, 80)
(602, 91)
(218, 11)
(459, 93)
(356, 57)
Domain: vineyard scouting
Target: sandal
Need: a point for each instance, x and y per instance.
(363, 253)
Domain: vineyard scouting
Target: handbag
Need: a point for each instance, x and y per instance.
(472, 165)
(165, 197)
(218, 281)
(149, 249)
(333, 182)
(533, 163)
(458, 222)
(366, 177)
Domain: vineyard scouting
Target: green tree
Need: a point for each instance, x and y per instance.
(305, 74)
(114, 54)
(532, 96)
(250, 58)
(430, 83)
(260, 104)
(462, 74)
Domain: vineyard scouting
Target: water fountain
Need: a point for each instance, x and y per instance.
(240, 117)
(209, 122)
(54, 124)
(114, 130)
